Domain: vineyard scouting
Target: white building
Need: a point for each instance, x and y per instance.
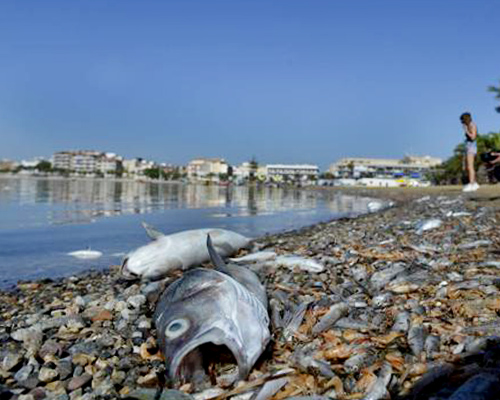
(137, 166)
(86, 161)
(292, 172)
(205, 167)
(8, 165)
(356, 167)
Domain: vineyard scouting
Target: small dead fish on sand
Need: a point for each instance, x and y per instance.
(86, 254)
(305, 264)
(180, 250)
(427, 225)
(260, 256)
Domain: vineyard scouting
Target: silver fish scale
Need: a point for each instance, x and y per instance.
(184, 288)
(243, 294)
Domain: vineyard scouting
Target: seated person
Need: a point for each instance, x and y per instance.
(492, 160)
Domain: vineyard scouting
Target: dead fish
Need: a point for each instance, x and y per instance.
(151, 231)
(86, 254)
(458, 214)
(382, 299)
(416, 339)
(335, 312)
(374, 206)
(379, 279)
(490, 264)
(241, 274)
(402, 287)
(378, 390)
(304, 358)
(431, 345)
(349, 323)
(401, 322)
(427, 225)
(305, 264)
(270, 388)
(208, 306)
(180, 250)
(474, 245)
(358, 361)
(292, 326)
(483, 386)
(260, 256)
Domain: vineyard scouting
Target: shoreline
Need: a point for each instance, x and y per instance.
(92, 336)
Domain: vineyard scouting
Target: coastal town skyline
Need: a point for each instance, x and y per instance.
(281, 83)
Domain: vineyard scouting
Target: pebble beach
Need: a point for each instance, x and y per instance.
(409, 295)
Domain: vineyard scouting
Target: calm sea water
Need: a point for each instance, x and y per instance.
(42, 220)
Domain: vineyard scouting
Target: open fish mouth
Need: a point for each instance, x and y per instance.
(183, 364)
(125, 272)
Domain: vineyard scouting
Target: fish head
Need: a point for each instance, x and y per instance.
(199, 310)
(150, 261)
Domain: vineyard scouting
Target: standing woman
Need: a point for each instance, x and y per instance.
(470, 130)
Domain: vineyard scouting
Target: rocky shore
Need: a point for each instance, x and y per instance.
(405, 290)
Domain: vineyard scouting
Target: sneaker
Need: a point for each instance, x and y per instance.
(475, 186)
(468, 188)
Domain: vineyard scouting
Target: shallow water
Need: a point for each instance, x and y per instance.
(42, 220)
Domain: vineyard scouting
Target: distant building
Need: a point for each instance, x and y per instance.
(358, 167)
(8, 165)
(108, 163)
(87, 161)
(137, 166)
(279, 172)
(205, 167)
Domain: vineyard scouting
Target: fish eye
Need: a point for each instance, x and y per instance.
(176, 328)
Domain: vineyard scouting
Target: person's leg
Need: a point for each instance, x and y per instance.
(470, 167)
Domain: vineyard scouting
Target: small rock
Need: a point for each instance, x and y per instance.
(64, 368)
(47, 374)
(11, 360)
(120, 306)
(149, 380)
(144, 324)
(137, 301)
(79, 381)
(83, 359)
(50, 348)
(27, 377)
(31, 338)
(117, 377)
(80, 301)
(26, 397)
(56, 387)
(38, 393)
(101, 315)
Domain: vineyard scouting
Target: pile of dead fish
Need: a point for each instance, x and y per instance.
(403, 303)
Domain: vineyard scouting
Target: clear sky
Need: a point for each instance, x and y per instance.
(286, 81)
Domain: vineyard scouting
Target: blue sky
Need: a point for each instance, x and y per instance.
(285, 81)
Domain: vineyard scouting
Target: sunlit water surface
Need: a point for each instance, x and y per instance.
(42, 220)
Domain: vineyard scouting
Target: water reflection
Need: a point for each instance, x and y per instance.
(82, 201)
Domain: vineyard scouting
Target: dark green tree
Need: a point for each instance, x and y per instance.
(152, 173)
(497, 96)
(254, 166)
(44, 166)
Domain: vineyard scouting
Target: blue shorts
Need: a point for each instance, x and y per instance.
(470, 148)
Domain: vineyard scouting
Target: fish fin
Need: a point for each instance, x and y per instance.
(217, 260)
(152, 232)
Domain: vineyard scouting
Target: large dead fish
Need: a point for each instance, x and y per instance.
(207, 306)
(180, 250)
